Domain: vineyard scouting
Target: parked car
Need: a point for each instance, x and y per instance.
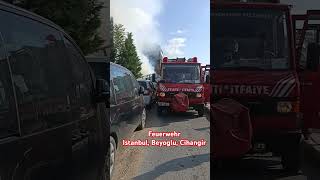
(49, 125)
(127, 111)
(149, 92)
(154, 86)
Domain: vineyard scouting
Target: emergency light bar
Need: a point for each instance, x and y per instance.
(248, 1)
(194, 59)
(180, 60)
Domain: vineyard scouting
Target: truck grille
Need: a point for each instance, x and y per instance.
(189, 94)
(261, 108)
(257, 106)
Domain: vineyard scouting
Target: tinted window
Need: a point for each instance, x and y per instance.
(310, 37)
(39, 72)
(122, 84)
(8, 121)
(79, 65)
(102, 71)
(81, 80)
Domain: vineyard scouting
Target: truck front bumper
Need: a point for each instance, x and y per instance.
(277, 123)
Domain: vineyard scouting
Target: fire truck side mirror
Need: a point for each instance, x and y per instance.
(313, 56)
(207, 79)
(153, 78)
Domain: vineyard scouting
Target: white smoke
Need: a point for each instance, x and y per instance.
(174, 47)
(139, 17)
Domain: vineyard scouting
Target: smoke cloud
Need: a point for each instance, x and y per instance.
(139, 17)
(174, 47)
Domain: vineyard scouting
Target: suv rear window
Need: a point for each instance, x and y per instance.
(143, 84)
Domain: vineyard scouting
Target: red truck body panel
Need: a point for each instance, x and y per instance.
(277, 84)
(232, 128)
(261, 90)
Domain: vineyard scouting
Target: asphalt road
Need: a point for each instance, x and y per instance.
(180, 162)
(265, 167)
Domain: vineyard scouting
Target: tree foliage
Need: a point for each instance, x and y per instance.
(113, 51)
(119, 37)
(124, 51)
(129, 57)
(79, 18)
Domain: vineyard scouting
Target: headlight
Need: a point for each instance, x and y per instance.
(162, 94)
(198, 95)
(284, 107)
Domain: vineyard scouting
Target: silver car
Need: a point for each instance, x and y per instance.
(149, 93)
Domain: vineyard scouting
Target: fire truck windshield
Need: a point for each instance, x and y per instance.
(181, 73)
(250, 38)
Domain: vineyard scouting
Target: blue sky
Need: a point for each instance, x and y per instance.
(181, 27)
(185, 28)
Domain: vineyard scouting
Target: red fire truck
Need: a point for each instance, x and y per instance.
(181, 86)
(268, 60)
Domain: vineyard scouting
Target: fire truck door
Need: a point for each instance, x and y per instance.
(309, 73)
(206, 84)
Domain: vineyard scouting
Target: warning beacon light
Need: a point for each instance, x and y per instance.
(165, 59)
(195, 59)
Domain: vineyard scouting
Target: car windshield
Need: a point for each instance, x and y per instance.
(250, 38)
(177, 73)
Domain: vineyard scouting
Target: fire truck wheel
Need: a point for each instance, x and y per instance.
(292, 156)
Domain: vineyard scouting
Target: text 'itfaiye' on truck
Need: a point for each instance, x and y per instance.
(181, 87)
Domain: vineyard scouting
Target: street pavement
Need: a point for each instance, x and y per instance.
(179, 163)
(312, 145)
(266, 167)
(139, 163)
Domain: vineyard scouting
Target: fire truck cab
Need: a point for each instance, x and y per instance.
(181, 86)
(263, 60)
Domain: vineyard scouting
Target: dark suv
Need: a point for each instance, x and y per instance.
(127, 111)
(53, 120)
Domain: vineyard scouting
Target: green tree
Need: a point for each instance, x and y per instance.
(129, 57)
(119, 37)
(79, 18)
(113, 51)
